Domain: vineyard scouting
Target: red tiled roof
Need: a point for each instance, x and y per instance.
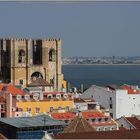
(14, 91)
(78, 124)
(103, 123)
(134, 121)
(92, 114)
(130, 90)
(63, 116)
(11, 89)
(116, 134)
(40, 82)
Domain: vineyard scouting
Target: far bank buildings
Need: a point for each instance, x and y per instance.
(24, 61)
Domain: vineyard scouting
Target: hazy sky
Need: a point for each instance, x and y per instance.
(86, 28)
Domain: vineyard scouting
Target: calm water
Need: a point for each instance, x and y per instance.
(101, 74)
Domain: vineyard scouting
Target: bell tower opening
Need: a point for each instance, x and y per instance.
(21, 56)
(37, 52)
(52, 55)
(5, 61)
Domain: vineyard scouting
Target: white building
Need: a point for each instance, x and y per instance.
(121, 101)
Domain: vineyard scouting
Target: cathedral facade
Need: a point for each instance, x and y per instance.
(26, 60)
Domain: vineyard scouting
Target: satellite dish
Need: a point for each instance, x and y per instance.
(18, 97)
(27, 97)
(35, 96)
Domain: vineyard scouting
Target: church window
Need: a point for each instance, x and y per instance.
(36, 75)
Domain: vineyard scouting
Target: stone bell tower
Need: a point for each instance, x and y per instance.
(25, 60)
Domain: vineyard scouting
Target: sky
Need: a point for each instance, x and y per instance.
(85, 28)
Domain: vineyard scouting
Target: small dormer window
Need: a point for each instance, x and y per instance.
(93, 120)
(50, 96)
(106, 119)
(99, 119)
(58, 96)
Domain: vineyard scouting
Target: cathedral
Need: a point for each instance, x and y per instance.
(35, 62)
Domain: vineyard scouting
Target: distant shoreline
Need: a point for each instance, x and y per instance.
(103, 64)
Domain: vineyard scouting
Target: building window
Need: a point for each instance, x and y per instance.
(52, 55)
(67, 108)
(99, 119)
(105, 129)
(111, 128)
(93, 120)
(59, 108)
(49, 97)
(111, 114)
(98, 129)
(110, 106)
(37, 110)
(28, 110)
(106, 119)
(66, 121)
(21, 82)
(36, 75)
(51, 109)
(21, 55)
(110, 98)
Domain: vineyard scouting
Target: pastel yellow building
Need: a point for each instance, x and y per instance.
(51, 102)
(20, 104)
(43, 107)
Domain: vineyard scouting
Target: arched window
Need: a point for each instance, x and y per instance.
(36, 75)
(52, 55)
(21, 56)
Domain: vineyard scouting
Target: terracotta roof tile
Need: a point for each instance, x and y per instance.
(103, 123)
(14, 91)
(130, 90)
(123, 134)
(79, 124)
(63, 116)
(92, 114)
(11, 89)
(40, 82)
